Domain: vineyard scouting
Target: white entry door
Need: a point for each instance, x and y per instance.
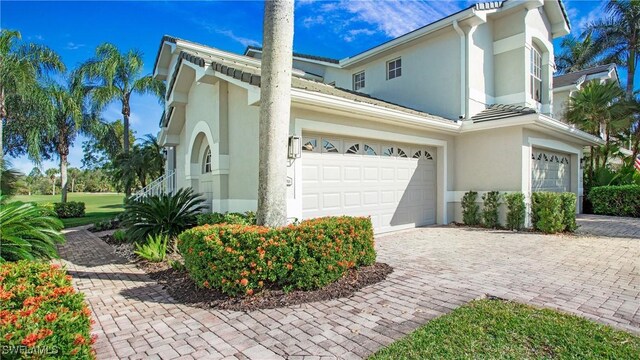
(550, 171)
(393, 183)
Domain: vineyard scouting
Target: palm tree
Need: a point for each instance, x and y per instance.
(21, 65)
(52, 174)
(578, 53)
(74, 174)
(600, 108)
(153, 156)
(115, 76)
(619, 36)
(275, 109)
(8, 179)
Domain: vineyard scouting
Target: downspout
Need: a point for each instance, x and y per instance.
(463, 70)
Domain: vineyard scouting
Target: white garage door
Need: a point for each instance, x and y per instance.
(551, 171)
(393, 183)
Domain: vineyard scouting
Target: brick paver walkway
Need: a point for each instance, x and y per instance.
(436, 270)
(599, 225)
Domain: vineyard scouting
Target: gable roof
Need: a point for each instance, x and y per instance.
(251, 48)
(576, 77)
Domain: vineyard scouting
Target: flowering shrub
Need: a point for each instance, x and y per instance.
(242, 259)
(41, 314)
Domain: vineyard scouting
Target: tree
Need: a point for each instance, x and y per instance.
(275, 109)
(21, 66)
(102, 149)
(52, 174)
(8, 179)
(600, 108)
(619, 36)
(114, 76)
(74, 174)
(578, 53)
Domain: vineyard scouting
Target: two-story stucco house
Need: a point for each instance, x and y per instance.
(398, 132)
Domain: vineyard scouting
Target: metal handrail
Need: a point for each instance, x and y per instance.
(165, 184)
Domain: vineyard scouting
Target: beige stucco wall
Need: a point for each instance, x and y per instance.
(560, 104)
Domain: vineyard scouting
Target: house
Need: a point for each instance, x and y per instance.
(398, 132)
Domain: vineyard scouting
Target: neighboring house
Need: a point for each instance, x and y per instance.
(566, 85)
(399, 132)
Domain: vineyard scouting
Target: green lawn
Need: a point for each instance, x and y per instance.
(494, 329)
(98, 206)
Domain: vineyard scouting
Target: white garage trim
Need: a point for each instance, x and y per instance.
(295, 205)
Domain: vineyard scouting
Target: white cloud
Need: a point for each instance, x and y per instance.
(73, 46)
(242, 40)
(352, 34)
(593, 16)
(313, 20)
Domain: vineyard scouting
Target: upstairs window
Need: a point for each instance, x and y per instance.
(358, 80)
(394, 68)
(536, 74)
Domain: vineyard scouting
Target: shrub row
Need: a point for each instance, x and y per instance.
(41, 314)
(69, 209)
(488, 216)
(553, 212)
(623, 200)
(248, 218)
(241, 259)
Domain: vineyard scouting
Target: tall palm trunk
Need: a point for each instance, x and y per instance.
(63, 177)
(275, 109)
(3, 115)
(126, 111)
(631, 70)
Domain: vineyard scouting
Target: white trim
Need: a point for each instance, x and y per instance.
(549, 144)
(509, 43)
(347, 130)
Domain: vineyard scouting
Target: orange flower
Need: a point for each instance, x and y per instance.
(249, 291)
(241, 258)
(244, 282)
(205, 284)
(74, 351)
(8, 336)
(289, 266)
(94, 338)
(79, 340)
(68, 277)
(43, 333)
(86, 311)
(50, 317)
(30, 340)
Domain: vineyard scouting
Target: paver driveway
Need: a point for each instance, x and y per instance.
(436, 269)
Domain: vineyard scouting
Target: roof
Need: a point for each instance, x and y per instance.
(499, 111)
(575, 77)
(299, 55)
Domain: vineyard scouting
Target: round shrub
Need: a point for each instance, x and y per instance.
(621, 200)
(242, 259)
(41, 313)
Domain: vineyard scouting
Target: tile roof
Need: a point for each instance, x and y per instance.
(574, 77)
(499, 111)
(295, 54)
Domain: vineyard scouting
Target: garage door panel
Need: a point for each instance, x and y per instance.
(550, 171)
(393, 188)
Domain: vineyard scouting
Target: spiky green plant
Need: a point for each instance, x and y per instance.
(155, 249)
(165, 214)
(28, 232)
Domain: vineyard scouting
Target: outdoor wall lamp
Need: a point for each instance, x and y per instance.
(295, 147)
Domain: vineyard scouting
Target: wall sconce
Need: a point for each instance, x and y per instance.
(295, 147)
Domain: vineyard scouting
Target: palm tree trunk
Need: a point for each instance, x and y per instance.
(73, 185)
(3, 115)
(631, 72)
(275, 110)
(53, 186)
(63, 177)
(125, 142)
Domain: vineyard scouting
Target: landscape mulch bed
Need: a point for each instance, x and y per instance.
(180, 286)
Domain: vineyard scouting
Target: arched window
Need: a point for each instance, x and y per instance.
(206, 162)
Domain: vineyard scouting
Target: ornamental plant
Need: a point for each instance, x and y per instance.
(546, 212)
(623, 200)
(470, 209)
(243, 259)
(568, 206)
(69, 209)
(516, 210)
(41, 314)
(491, 204)
(248, 218)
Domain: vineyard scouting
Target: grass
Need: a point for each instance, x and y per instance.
(98, 206)
(495, 329)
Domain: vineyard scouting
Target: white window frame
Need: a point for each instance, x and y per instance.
(358, 80)
(535, 74)
(206, 166)
(396, 71)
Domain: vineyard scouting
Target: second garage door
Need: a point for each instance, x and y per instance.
(550, 171)
(393, 183)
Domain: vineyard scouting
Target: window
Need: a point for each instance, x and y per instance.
(536, 74)
(394, 68)
(358, 80)
(417, 155)
(329, 147)
(369, 150)
(206, 168)
(387, 152)
(310, 145)
(353, 149)
(401, 153)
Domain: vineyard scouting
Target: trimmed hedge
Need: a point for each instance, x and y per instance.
(248, 218)
(70, 209)
(623, 200)
(553, 212)
(470, 209)
(41, 313)
(516, 210)
(242, 259)
(490, 206)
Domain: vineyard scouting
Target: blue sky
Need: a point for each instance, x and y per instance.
(329, 28)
